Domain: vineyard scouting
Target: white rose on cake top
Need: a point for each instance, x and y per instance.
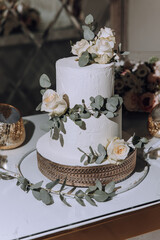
(117, 150)
(54, 104)
(80, 47)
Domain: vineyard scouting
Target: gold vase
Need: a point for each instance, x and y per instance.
(12, 131)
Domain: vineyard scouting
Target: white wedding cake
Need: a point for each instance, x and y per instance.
(81, 83)
(84, 144)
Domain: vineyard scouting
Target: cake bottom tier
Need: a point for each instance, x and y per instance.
(86, 176)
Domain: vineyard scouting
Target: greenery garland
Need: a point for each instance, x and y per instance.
(92, 194)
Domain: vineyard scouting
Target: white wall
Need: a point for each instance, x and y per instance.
(144, 28)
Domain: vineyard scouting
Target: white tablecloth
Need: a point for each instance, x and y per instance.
(22, 216)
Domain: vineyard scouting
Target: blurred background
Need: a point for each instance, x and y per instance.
(36, 33)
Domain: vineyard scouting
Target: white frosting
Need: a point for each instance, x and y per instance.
(82, 83)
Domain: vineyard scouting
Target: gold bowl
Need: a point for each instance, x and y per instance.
(12, 131)
(154, 121)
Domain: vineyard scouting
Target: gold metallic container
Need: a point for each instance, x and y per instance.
(12, 131)
(154, 121)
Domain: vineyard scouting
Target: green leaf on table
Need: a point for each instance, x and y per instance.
(50, 185)
(46, 197)
(98, 184)
(63, 185)
(64, 200)
(44, 81)
(90, 200)
(80, 201)
(109, 188)
(36, 185)
(36, 194)
(79, 194)
(100, 196)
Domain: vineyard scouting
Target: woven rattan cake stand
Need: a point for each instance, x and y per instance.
(84, 176)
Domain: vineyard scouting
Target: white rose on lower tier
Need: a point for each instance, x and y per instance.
(80, 47)
(54, 104)
(117, 150)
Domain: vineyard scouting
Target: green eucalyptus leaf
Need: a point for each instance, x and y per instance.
(92, 99)
(83, 157)
(84, 59)
(56, 134)
(109, 188)
(102, 150)
(42, 91)
(80, 201)
(36, 194)
(109, 115)
(85, 115)
(88, 34)
(98, 184)
(63, 185)
(50, 185)
(96, 114)
(79, 194)
(144, 140)
(71, 190)
(110, 107)
(46, 197)
(62, 128)
(113, 101)
(37, 185)
(38, 108)
(44, 81)
(92, 188)
(64, 118)
(90, 200)
(93, 55)
(64, 200)
(100, 159)
(99, 100)
(89, 19)
(61, 139)
(100, 196)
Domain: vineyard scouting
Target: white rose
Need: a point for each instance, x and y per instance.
(117, 150)
(54, 104)
(80, 47)
(102, 59)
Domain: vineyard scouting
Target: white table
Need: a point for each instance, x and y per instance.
(23, 217)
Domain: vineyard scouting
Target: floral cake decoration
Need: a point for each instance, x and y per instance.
(96, 48)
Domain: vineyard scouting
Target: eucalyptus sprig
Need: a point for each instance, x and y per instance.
(92, 194)
(94, 156)
(89, 34)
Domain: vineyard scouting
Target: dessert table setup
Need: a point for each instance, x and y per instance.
(23, 217)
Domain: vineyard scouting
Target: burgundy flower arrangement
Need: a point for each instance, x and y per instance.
(138, 84)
